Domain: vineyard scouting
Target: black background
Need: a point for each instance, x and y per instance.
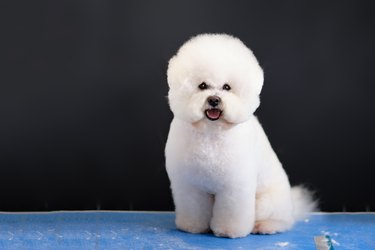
(83, 113)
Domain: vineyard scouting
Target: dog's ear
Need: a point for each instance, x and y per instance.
(174, 72)
(259, 79)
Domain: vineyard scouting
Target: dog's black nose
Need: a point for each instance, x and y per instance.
(213, 101)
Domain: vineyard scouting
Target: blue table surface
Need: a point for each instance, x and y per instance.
(156, 230)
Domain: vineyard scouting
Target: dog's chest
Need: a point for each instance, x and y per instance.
(209, 154)
(209, 161)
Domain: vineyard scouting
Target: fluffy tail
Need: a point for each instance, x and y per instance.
(303, 202)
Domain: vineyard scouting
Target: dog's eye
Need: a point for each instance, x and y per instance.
(203, 86)
(226, 87)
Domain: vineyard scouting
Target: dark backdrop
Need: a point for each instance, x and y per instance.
(83, 113)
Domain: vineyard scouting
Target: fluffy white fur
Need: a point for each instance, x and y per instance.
(224, 175)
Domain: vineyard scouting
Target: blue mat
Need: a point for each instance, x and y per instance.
(156, 230)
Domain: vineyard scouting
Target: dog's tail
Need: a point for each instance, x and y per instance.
(303, 202)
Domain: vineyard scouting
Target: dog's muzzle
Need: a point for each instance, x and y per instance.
(213, 113)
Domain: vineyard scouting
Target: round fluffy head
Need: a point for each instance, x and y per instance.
(210, 67)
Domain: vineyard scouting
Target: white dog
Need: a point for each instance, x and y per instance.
(224, 174)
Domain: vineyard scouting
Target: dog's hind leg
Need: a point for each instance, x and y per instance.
(274, 210)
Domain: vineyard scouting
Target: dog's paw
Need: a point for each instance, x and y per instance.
(192, 226)
(231, 231)
(270, 226)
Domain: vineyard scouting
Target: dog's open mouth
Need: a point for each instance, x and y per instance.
(213, 114)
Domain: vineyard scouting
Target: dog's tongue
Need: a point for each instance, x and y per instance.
(213, 114)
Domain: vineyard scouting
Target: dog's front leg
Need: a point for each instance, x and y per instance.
(193, 208)
(234, 213)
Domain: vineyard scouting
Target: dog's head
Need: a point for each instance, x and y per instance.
(214, 77)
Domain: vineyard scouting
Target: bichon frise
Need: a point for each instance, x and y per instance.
(224, 173)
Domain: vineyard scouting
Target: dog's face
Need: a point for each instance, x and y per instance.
(214, 77)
